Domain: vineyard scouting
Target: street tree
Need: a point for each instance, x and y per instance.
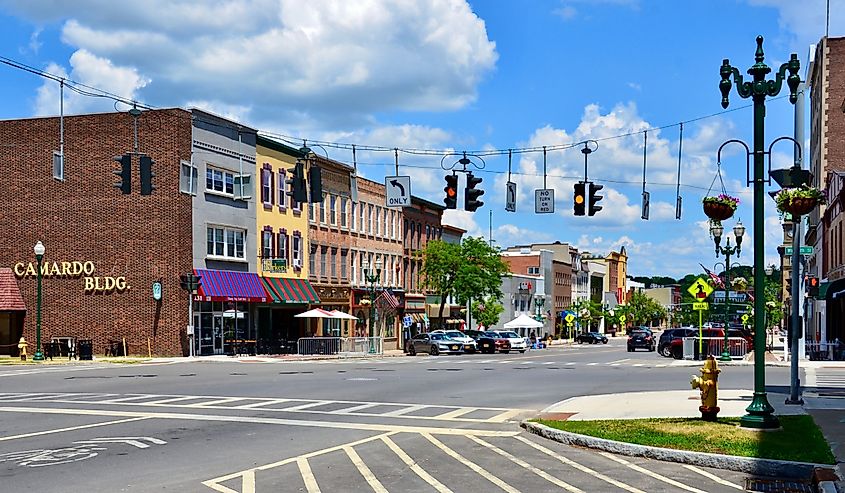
(644, 310)
(479, 271)
(487, 311)
(441, 264)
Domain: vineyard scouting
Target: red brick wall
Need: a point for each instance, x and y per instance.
(520, 264)
(84, 218)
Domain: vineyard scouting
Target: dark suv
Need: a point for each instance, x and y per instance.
(664, 345)
(641, 338)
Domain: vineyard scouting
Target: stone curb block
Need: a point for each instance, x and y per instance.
(761, 467)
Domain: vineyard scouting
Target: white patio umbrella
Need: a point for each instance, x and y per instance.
(342, 315)
(315, 313)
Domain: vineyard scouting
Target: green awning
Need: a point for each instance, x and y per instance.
(285, 290)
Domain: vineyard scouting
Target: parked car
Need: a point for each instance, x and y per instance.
(456, 335)
(434, 344)
(490, 342)
(475, 334)
(517, 342)
(664, 344)
(591, 338)
(641, 339)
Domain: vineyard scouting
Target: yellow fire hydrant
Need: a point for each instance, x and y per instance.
(708, 385)
(22, 347)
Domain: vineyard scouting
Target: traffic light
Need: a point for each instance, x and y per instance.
(594, 199)
(451, 190)
(125, 173)
(190, 282)
(812, 286)
(471, 194)
(579, 199)
(296, 182)
(147, 175)
(315, 180)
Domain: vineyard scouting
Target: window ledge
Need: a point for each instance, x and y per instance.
(227, 259)
(220, 194)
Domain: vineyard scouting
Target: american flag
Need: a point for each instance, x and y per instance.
(713, 277)
(390, 298)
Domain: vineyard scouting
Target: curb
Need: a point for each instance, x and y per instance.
(761, 467)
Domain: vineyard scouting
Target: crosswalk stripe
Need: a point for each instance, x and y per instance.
(578, 466)
(305, 406)
(365, 471)
(307, 475)
(428, 478)
(261, 404)
(713, 477)
(472, 465)
(352, 409)
(215, 402)
(502, 417)
(409, 409)
(654, 475)
(543, 474)
(455, 413)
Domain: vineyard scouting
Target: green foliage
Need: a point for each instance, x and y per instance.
(642, 310)
(441, 261)
(785, 196)
(723, 199)
(488, 311)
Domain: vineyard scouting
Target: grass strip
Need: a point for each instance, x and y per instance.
(799, 439)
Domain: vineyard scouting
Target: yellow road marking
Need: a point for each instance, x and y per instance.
(472, 465)
(578, 466)
(365, 471)
(307, 475)
(539, 472)
(72, 428)
(652, 474)
(428, 478)
(713, 477)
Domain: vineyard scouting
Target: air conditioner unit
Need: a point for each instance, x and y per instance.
(297, 264)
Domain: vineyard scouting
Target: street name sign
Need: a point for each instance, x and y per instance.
(510, 198)
(544, 201)
(699, 306)
(398, 190)
(804, 250)
(700, 289)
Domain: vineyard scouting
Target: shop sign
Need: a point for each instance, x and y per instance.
(74, 270)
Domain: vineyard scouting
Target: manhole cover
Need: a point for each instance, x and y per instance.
(777, 485)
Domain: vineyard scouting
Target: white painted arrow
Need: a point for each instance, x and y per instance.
(134, 441)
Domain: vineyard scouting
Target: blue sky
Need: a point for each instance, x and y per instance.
(451, 75)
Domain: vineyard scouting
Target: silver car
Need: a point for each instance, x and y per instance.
(468, 342)
(433, 344)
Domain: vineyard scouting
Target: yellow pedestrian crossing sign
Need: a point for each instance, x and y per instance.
(700, 290)
(745, 318)
(699, 306)
(569, 318)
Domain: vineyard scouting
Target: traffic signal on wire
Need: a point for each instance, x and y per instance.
(594, 199)
(451, 189)
(471, 194)
(315, 180)
(147, 175)
(296, 183)
(579, 199)
(125, 173)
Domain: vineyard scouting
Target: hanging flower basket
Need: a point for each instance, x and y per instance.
(799, 201)
(720, 207)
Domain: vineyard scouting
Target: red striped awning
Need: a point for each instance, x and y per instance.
(285, 290)
(225, 285)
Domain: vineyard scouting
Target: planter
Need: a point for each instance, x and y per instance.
(799, 206)
(718, 211)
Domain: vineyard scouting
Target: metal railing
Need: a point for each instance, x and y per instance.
(713, 346)
(824, 351)
(340, 346)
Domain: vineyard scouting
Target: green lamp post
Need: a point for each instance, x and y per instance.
(39, 255)
(372, 277)
(760, 412)
(716, 231)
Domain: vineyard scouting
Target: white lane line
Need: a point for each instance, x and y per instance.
(352, 409)
(260, 404)
(621, 360)
(654, 475)
(173, 399)
(500, 418)
(249, 419)
(72, 428)
(548, 362)
(638, 364)
(472, 465)
(660, 366)
(304, 406)
(578, 466)
(520, 462)
(409, 409)
(592, 364)
(365, 471)
(615, 364)
(713, 477)
(457, 412)
(47, 397)
(20, 396)
(131, 398)
(215, 402)
(307, 475)
(428, 478)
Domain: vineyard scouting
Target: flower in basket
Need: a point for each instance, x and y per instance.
(365, 301)
(724, 199)
(785, 197)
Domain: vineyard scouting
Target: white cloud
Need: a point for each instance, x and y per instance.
(288, 61)
(806, 20)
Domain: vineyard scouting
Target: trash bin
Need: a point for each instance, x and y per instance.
(85, 349)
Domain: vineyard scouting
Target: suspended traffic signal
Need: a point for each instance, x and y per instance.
(579, 199)
(147, 175)
(594, 199)
(296, 183)
(315, 180)
(125, 173)
(471, 194)
(451, 189)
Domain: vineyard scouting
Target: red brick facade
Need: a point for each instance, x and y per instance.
(83, 218)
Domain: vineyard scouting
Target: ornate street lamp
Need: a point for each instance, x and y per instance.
(39, 255)
(716, 231)
(372, 277)
(760, 412)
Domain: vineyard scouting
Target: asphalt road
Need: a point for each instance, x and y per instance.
(400, 424)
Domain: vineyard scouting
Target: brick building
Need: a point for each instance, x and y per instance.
(422, 222)
(104, 249)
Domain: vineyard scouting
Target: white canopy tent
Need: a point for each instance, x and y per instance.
(523, 322)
